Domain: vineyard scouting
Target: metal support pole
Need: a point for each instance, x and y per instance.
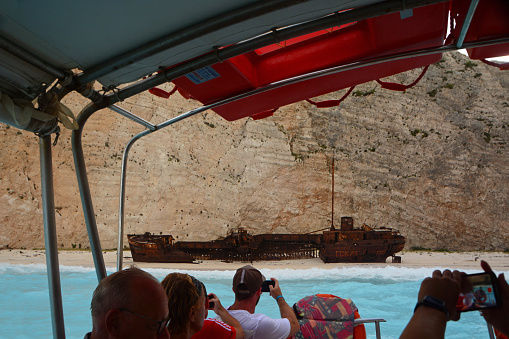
(50, 237)
(332, 228)
(135, 118)
(377, 329)
(120, 244)
(86, 199)
(466, 23)
(490, 331)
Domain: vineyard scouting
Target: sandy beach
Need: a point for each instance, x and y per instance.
(499, 261)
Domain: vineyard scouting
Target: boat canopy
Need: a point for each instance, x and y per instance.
(117, 42)
(121, 44)
(51, 48)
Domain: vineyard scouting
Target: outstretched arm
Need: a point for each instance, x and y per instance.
(428, 322)
(285, 309)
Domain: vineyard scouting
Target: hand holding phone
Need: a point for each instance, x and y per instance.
(210, 305)
(266, 284)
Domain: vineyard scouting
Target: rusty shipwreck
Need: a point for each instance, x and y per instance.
(347, 244)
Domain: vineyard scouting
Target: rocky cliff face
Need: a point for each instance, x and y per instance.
(432, 162)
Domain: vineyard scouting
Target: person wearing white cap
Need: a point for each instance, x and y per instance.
(247, 286)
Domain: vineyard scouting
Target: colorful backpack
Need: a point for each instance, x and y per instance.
(327, 316)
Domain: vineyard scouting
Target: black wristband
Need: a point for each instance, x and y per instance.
(433, 302)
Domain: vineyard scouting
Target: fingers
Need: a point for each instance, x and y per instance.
(456, 275)
(447, 273)
(485, 266)
(275, 290)
(501, 281)
(436, 274)
(214, 299)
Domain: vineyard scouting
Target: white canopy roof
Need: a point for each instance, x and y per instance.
(86, 34)
(120, 42)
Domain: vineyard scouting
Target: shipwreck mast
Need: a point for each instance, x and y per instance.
(332, 228)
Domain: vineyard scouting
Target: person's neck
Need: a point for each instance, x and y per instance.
(246, 305)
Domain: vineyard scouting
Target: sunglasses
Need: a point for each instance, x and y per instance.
(161, 325)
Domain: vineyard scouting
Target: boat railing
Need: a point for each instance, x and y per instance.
(377, 322)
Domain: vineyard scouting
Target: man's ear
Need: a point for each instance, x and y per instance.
(259, 292)
(112, 321)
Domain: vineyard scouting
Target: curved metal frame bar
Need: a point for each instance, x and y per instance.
(84, 187)
(120, 246)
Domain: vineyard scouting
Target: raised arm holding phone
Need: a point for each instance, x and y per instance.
(284, 309)
(247, 286)
(439, 301)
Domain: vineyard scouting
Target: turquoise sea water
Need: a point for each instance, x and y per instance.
(388, 293)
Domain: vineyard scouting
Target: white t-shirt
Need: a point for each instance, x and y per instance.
(259, 326)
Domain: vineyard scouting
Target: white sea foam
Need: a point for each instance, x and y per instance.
(389, 274)
(22, 269)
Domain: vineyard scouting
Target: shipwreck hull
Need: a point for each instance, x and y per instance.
(366, 251)
(364, 244)
(156, 248)
(346, 245)
(216, 253)
(286, 246)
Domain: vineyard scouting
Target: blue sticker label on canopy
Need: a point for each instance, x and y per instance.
(202, 75)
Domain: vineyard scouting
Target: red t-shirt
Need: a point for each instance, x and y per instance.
(213, 328)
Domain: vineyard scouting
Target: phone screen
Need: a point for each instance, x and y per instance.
(479, 291)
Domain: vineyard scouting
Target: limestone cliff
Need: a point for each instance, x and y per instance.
(432, 162)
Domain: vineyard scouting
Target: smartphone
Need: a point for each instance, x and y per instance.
(479, 291)
(266, 284)
(210, 303)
